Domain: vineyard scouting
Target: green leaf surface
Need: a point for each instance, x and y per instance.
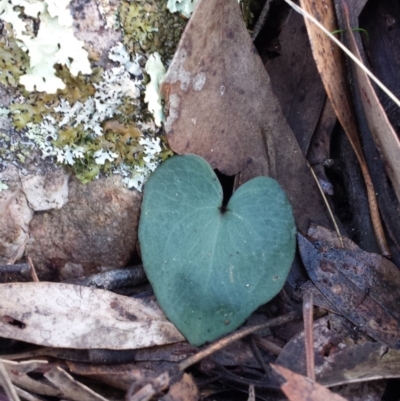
(210, 268)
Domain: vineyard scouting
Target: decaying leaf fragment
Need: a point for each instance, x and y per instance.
(300, 388)
(340, 357)
(71, 388)
(365, 362)
(69, 316)
(220, 105)
(363, 287)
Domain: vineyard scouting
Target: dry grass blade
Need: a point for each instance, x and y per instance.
(330, 64)
(346, 50)
(7, 384)
(327, 205)
(71, 389)
(383, 133)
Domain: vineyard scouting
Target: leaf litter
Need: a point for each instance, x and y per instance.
(355, 292)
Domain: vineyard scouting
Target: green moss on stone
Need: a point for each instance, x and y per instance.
(149, 27)
(13, 61)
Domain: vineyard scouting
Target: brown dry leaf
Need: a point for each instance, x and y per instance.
(70, 388)
(221, 106)
(183, 390)
(358, 363)
(330, 64)
(300, 388)
(69, 316)
(213, 90)
(327, 341)
(295, 80)
(383, 133)
(362, 286)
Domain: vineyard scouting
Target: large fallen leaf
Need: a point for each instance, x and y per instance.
(69, 316)
(221, 106)
(211, 265)
(362, 286)
(383, 133)
(300, 388)
(330, 64)
(295, 80)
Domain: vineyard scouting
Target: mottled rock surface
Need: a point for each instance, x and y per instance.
(95, 230)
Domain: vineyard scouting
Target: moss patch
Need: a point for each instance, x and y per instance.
(149, 27)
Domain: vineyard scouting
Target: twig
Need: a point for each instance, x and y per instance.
(261, 20)
(309, 333)
(33, 270)
(20, 268)
(211, 349)
(252, 393)
(267, 345)
(113, 279)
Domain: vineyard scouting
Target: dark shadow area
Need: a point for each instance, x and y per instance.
(227, 183)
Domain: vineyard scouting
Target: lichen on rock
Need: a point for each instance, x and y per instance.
(91, 120)
(148, 27)
(53, 43)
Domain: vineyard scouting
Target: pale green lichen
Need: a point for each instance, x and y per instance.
(156, 70)
(3, 186)
(88, 136)
(185, 7)
(4, 112)
(54, 42)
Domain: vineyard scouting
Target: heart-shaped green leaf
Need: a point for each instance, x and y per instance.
(211, 266)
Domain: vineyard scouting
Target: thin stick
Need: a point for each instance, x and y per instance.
(211, 349)
(252, 393)
(309, 333)
(261, 20)
(327, 205)
(345, 49)
(268, 345)
(33, 270)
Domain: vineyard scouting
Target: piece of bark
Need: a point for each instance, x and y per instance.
(300, 388)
